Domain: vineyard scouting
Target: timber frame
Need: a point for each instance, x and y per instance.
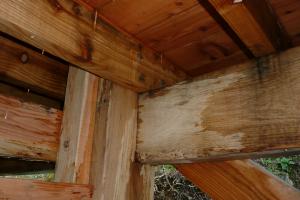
(106, 102)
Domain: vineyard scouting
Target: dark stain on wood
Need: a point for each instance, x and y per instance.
(87, 49)
(76, 9)
(55, 5)
(157, 93)
(262, 68)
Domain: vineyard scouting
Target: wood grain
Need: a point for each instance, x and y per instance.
(16, 189)
(75, 149)
(244, 111)
(236, 180)
(36, 72)
(28, 130)
(67, 31)
(114, 173)
(250, 27)
(288, 13)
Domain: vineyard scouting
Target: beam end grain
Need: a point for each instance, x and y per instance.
(239, 112)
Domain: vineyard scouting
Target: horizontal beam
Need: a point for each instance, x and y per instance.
(16, 189)
(240, 179)
(253, 22)
(24, 67)
(28, 130)
(243, 111)
(67, 30)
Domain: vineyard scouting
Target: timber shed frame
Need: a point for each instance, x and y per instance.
(107, 89)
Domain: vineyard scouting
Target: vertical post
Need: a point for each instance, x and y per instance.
(98, 140)
(74, 156)
(114, 174)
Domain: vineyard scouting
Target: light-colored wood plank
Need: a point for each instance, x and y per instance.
(255, 29)
(67, 31)
(114, 142)
(75, 151)
(244, 111)
(236, 180)
(24, 67)
(114, 173)
(142, 182)
(16, 189)
(28, 130)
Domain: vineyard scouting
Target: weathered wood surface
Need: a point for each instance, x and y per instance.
(26, 68)
(236, 180)
(75, 151)
(244, 111)
(16, 189)
(114, 142)
(66, 30)
(28, 130)
(142, 182)
(254, 22)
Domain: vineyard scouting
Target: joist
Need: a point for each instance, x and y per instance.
(254, 23)
(16, 189)
(68, 31)
(239, 179)
(75, 149)
(243, 111)
(24, 67)
(28, 130)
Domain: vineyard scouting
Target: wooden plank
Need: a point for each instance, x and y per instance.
(24, 67)
(142, 182)
(16, 189)
(254, 22)
(240, 179)
(288, 14)
(74, 156)
(67, 31)
(244, 111)
(193, 40)
(114, 173)
(28, 130)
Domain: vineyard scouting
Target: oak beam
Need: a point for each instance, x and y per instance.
(16, 189)
(24, 67)
(67, 30)
(28, 130)
(244, 111)
(75, 149)
(239, 179)
(254, 22)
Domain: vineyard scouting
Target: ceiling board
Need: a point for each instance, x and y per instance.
(288, 12)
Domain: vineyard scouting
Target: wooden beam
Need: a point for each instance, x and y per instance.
(75, 151)
(114, 173)
(240, 179)
(243, 111)
(66, 30)
(254, 22)
(31, 70)
(28, 130)
(16, 189)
